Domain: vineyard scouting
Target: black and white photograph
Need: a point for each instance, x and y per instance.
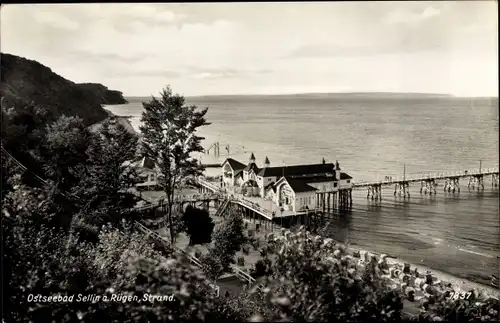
(314, 161)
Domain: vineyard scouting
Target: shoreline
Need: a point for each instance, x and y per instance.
(124, 121)
(459, 283)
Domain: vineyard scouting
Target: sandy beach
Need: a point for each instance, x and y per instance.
(458, 284)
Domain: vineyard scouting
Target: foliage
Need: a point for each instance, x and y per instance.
(193, 298)
(198, 224)
(21, 125)
(22, 135)
(262, 268)
(169, 139)
(228, 239)
(241, 261)
(464, 310)
(211, 264)
(308, 284)
(67, 141)
(116, 249)
(103, 188)
(37, 256)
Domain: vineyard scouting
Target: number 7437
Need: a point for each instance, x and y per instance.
(460, 295)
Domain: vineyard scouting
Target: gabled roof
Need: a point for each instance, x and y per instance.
(252, 166)
(235, 165)
(297, 170)
(238, 172)
(298, 185)
(270, 186)
(345, 176)
(147, 162)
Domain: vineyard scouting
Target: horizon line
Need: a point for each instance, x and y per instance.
(449, 95)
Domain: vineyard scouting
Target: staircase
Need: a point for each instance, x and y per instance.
(222, 208)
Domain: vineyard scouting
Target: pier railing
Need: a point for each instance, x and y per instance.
(236, 198)
(209, 185)
(424, 177)
(254, 207)
(242, 275)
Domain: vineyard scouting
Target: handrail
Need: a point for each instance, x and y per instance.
(423, 177)
(194, 259)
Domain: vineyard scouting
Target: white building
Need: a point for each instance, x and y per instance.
(294, 187)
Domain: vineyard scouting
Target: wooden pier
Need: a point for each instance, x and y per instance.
(428, 182)
(212, 194)
(342, 198)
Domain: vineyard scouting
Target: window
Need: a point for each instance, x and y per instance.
(152, 176)
(348, 181)
(309, 200)
(334, 184)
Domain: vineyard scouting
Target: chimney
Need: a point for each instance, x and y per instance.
(267, 162)
(252, 158)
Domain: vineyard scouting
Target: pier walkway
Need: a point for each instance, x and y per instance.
(429, 182)
(426, 177)
(211, 192)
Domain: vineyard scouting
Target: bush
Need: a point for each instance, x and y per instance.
(262, 268)
(198, 224)
(228, 239)
(255, 244)
(241, 261)
(211, 264)
(245, 249)
(308, 284)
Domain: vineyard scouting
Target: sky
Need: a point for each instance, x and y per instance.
(263, 48)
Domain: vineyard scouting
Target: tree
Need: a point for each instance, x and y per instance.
(228, 239)
(37, 259)
(169, 139)
(65, 151)
(311, 280)
(116, 249)
(105, 181)
(212, 264)
(22, 134)
(199, 225)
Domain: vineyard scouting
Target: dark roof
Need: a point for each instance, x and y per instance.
(238, 172)
(252, 166)
(299, 185)
(270, 186)
(235, 165)
(297, 170)
(345, 176)
(317, 179)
